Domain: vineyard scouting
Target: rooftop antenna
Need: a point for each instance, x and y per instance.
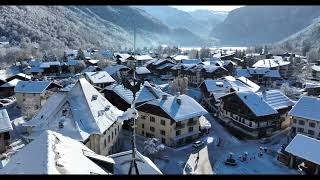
(135, 89)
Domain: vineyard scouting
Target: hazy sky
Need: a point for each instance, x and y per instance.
(215, 8)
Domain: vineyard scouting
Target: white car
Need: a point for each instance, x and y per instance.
(197, 144)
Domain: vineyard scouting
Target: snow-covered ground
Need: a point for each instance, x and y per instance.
(212, 157)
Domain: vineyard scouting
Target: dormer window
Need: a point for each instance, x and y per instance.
(94, 97)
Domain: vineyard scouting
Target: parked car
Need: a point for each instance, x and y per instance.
(197, 144)
(265, 140)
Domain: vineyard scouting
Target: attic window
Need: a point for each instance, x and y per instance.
(94, 97)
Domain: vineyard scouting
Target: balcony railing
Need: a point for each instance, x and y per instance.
(191, 123)
(180, 126)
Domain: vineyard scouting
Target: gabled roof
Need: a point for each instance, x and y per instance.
(20, 76)
(276, 99)
(188, 108)
(305, 147)
(270, 63)
(5, 123)
(72, 62)
(36, 69)
(307, 107)
(142, 70)
(180, 57)
(146, 92)
(266, 72)
(115, 68)
(53, 153)
(86, 112)
(32, 86)
(253, 86)
(191, 61)
(48, 64)
(11, 83)
(99, 77)
(142, 57)
(93, 61)
(255, 103)
(315, 68)
(144, 164)
(90, 69)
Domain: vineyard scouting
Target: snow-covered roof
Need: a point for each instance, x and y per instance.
(315, 68)
(307, 107)
(180, 57)
(143, 57)
(144, 164)
(11, 83)
(305, 147)
(86, 112)
(34, 63)
(89, 69)
(165, 65)
(276, 99)
(32, 86)
(254, 102)
(21, 75)
(53, 153)
(188, 107)
(99, 77)
(115, 68)
(266, 72)
(36, 69)
(191, 61)
(5, 123)
(48, 64)
(93, 61)
(253, 86)
(72, 62)
(224, 84)
(146, 93)
(270, 63)
(142, 70)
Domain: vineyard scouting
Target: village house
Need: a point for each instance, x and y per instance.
(117, 71)
(122, 97)
(7, 89)
(99, 79)
(248, 113)
(91, 62)
(262, 76)
(59, 154)
(174, 120)
(138, 60)
(142, 73)
(280, 102)
(161, 67)
(53, 153)
(212, 90)
(32, 95)
(121, 58)
(91, 69)
(304, 154)
(5, 128)
(51, 68)
(284, 67)
(179, 57)
(316, 70)
(306, 117)
(196, 73)
(83, 114)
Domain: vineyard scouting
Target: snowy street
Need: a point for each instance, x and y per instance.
(212, 157)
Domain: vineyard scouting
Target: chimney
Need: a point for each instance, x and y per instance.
(245, 97)
(164, 97)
